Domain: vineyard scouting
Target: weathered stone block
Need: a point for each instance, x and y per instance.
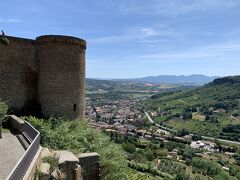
(90, 165)
(16, 122)
(78, 173)
(67, 163)
(44, 171)
(46, 152)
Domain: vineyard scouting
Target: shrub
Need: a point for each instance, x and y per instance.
(3, 111)
(162, 152)
(182, 176)
(4, 41)
(78, 137)
(183, 132)
(196, 137)
(128, 147)
(52, 161)
(206, 167)
(233, 170)
(149, 155)
(238, 175)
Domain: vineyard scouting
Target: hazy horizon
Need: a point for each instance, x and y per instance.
(106, 78)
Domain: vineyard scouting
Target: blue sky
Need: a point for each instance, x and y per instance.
(136, 38)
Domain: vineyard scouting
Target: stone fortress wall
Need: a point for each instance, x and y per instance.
(48, 73)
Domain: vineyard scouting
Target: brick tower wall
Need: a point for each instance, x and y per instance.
(18, 72)
(61, 84)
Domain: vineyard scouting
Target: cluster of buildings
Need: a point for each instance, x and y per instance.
(117, 113)
(120, 116)
(206, 145)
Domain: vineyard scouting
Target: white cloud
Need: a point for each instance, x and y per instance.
(110, 39)
(149, 32)
(175, 7)
(137, 35)
(9, 20)
(226, 47)
(216, 50)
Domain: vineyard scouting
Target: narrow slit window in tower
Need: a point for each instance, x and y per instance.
(74, 107)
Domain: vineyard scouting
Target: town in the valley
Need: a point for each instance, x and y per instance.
(126, 116)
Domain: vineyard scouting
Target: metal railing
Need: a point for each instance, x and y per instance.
(23, 164)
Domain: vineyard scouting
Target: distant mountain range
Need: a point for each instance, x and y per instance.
(191, 80)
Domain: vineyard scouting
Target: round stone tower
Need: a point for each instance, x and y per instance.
(61, 83)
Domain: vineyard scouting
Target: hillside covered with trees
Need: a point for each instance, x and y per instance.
(212, 109)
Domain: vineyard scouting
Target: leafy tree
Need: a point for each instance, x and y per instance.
(205, 166)
(238, 175)
(233, 170)
(161, 144)
(189, 153)
(182, 132)
(223, 176)
(149, 155)
(182, 176)
(188, 161)
(128, 147)
(162, 152)
(187, 115)
(174, 145)
(196, 137)
(139, 156)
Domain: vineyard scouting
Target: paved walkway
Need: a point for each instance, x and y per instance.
(10, 152)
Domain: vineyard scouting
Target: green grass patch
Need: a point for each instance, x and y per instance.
(53, 161)
(198, 117)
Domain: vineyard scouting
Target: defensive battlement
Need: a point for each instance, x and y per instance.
(60, 39)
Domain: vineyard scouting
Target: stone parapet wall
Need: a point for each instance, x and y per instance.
(84, 167)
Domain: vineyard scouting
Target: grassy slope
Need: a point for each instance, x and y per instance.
(78, 137)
